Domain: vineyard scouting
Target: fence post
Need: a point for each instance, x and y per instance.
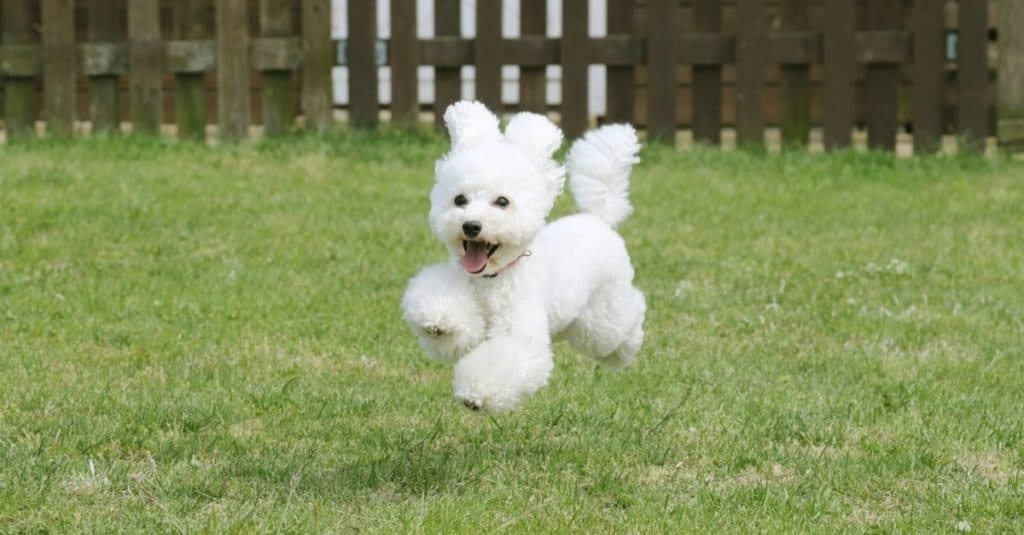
(532, 83)
(447, 80)
(21, 105)
(59, 65)
(404, 58)
(620, 81)
(751, 56)
(707, 79)
(318, 56)
(661, 70)
(233, 69)
(795, 81)
(487, 54)
(146, 62)
(362, 63)
(928, 74)
(278, 97)
(105, 26)
(883, 80)
(972, 72)
(839, 69)
(575, 86)
(1010, 106)
(191, 24)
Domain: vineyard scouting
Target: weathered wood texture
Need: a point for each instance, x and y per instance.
(318, 56)
(972, 75)
(1010, 122)
(59, 65)
(106, 25)
(883, 80)
(928, 73)
(233, 69)
(707, 77)
(404, 59)
(661, 70)
(795, 77)
(146, 58)
(21, 103)
(362, 63)
(190, 23)
(620, 79)
(532, 81)
(575, 86)
(751, 58)
(447, 79)
(840, 56)
(278, 94)
(487, 53)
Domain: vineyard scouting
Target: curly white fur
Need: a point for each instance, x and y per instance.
(514, 282)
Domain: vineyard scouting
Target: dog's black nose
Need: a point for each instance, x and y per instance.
(472, 228)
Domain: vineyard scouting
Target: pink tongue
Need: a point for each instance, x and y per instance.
(476, 257)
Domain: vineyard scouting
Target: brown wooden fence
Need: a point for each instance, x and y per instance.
(840, 62)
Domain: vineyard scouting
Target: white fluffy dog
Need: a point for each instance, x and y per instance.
(514, 282)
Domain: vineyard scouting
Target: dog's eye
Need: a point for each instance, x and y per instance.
(460, 200)
(501, 202)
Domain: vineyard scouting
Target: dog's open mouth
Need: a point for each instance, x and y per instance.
(477, 255)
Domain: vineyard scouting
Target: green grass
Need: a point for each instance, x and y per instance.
(198, 338)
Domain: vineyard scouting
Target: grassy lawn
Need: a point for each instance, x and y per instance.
(198, 338)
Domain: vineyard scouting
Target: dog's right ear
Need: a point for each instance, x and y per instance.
(470, 123)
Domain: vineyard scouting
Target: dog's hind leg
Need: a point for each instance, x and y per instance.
(610, 328)
(442, 312)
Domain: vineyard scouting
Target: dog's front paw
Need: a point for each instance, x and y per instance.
(439, 308)
(500, 373)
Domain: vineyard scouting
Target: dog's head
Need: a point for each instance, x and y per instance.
(493, 191)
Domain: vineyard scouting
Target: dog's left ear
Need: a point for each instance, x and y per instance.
(535, 133)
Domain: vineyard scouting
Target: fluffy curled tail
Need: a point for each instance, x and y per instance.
(598, 165)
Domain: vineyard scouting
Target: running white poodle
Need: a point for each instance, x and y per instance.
(514, 282)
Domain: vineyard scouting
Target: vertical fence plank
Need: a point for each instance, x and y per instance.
(233, 69)
(447, 80)
(487, 53)
(362, 63)
(575, 88)
(105, 26)
(661, 70)
(278, 95)
(1011, 75)
(145, 59)
(21, 106)
(318, 57)
(404, 59)
(190, 22)
(620, 79)
(59, 65)
(751, 57)
(795, 78)
(707, 79)
(839, 71)
(532, 82)
(928, 75)
(883, 81)
(972, 68)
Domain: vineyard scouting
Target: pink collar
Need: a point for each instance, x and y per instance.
(509, 265)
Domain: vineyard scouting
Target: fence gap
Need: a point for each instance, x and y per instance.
(661, 70)
(972, 72)
(928, 76)
(707, 78)
(620, 79)
(318, 56)
(278, 96)
(191, 24)
(233, 78)
(795, 78)
(839, 70)
(106, 28)
(59, 65)
(404, 57)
